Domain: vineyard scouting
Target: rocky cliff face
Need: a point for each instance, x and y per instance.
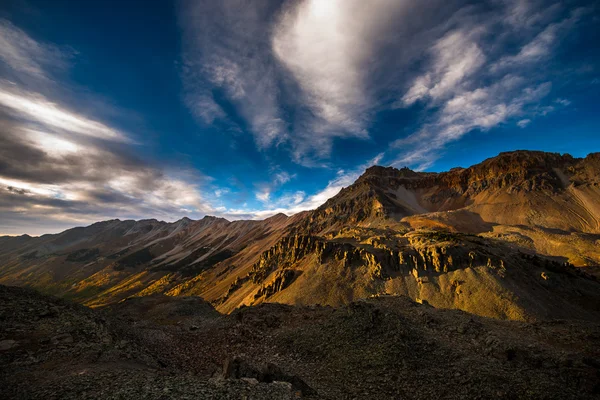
(557, 194)
(442, 269)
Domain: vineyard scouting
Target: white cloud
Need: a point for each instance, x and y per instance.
(226, 47)
(292, 203)
(283, 178)
(204, 106)
(319, 43)
(221, 192)
(524, 15)
(541, 46)
(479, 109)
(39, 110)
(265, 191)
(330, 48)
(456, 57)
(263, 195)
(24, 55)
(52, 144)
(523, 123)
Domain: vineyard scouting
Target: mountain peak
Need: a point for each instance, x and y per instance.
(276, 217)
(213, 219)
(531, 157)
(379, 171)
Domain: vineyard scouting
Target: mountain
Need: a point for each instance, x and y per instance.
(387, 347)
(514, 237)
(110, 260)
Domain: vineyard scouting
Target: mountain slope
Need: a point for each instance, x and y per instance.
(110, 260)
(496, 239)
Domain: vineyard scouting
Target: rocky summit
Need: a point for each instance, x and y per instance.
(479, 282)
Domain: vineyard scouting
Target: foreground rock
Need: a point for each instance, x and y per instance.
(386, 347)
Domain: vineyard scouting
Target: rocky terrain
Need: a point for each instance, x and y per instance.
(514, 237)
(385, 347)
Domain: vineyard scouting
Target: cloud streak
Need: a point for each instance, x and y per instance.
(38, 110)
(22, 54)
(62, 167)
(457, 57)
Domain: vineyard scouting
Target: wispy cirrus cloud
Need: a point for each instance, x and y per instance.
(38, 110)
(25, 56)
(481, 109)
(304, 74)
(226, 50)
(456, 57)
(541, 46)
(266, 189)
(523, 123)
(469, 88)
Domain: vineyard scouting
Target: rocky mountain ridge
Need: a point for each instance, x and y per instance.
(386, 192)
(502, 239)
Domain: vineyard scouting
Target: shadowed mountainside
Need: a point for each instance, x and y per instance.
(387, 347)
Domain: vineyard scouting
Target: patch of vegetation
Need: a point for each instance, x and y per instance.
(188, 267)
(83, 255)
(117, 254)
(139, 257)
(442, 236)
(30, 256)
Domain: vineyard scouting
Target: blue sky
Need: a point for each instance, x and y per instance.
(242, 109)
